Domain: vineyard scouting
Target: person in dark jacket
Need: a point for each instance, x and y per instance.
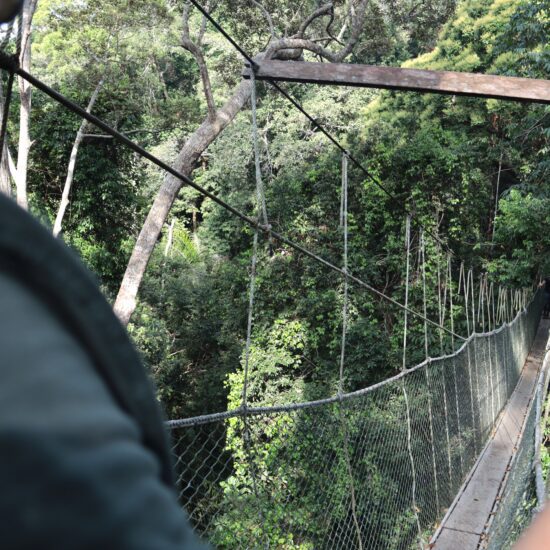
(84, 459)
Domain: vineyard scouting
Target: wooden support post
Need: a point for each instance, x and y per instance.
(393, 78)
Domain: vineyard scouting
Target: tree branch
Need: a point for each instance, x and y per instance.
(72, 162)
(210, 7)
(196, 51)
(327, 9)
(195, 146)
(293, 47)
(267, 17)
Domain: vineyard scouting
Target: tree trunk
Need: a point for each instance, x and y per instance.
(25, 92)
(72, 163)
(5, 181)
(206, 134)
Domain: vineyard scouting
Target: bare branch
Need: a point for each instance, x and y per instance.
(196, 51)
(267, 17)
(292, 48)
(185, 19)
(210, 6)
(290, 22)
(327, 9)
(72, 162)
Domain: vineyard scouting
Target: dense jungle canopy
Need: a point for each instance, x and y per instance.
(473, 171)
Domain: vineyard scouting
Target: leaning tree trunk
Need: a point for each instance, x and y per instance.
(72, 163)
(5, 181)
(206, 134)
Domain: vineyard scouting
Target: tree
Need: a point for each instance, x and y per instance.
(25, 93)
(9, 170)
(99, 36)
(291, 45)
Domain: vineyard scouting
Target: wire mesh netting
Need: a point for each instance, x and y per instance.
(518, 500)
(372, 469)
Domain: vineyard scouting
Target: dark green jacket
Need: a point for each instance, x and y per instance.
(84, 461)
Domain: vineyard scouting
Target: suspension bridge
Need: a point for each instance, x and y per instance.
(444, 454)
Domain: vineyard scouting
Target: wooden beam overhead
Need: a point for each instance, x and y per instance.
(392, 78)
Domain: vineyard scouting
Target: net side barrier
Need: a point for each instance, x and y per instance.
(288, 486)
(523, 492)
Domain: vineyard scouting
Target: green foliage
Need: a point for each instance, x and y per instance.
(523, 226)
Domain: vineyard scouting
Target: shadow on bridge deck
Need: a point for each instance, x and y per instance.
(464, 525)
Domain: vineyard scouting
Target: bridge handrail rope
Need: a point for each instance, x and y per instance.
(254, 411)
(515, 506)
(375, 422)
(542, 392)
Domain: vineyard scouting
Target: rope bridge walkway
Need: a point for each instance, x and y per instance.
(375, 468)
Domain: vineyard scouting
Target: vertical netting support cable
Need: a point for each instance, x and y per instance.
(489, 339)
(427, 368)
(407, 278)
(261, 216)
(471, 285)
(510, 377)
(344, 226)
(404, 369)
(483, 360)
(452, 320)
(442, 307)
(345, 428)
(492, 344)
(497, 318)
(464, 280)
(502, 298)
(494, 379)
(260, 192)
(496, 363)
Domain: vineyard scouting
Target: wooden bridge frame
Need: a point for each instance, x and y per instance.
(392, 78)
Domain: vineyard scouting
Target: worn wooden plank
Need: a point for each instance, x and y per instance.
(441, 82)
